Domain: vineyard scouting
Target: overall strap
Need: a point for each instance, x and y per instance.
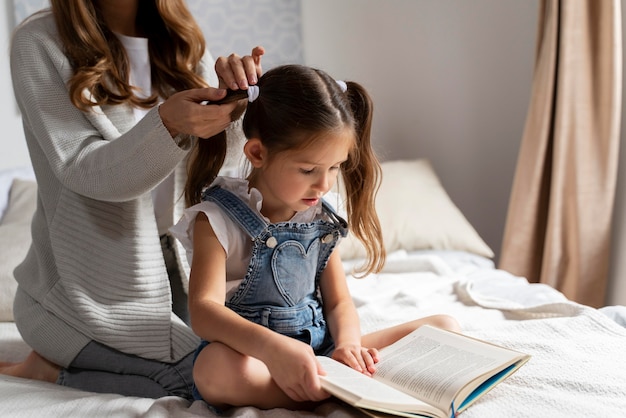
(236, 209)
(328, 209)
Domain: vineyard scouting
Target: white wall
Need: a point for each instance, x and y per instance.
(450, 80)
(14, 152)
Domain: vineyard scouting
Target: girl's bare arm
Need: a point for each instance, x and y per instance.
(343, 320)
(291, 363)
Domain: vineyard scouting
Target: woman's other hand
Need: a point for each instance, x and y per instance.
(237, 72)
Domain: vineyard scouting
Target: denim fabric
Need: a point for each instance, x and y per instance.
(281, 288)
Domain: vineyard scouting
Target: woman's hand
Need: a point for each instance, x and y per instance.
(237, 72)
(183, 113)
(294, 368)
(359, 358)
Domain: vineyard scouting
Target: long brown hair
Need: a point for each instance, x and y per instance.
(175, 41)
(297, 104)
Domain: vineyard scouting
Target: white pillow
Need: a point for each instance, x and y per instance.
(15, 240)
(6, 180)
(416, 213)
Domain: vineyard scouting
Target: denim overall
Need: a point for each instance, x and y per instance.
(281, 288)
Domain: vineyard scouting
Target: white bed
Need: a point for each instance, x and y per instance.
(437, 264)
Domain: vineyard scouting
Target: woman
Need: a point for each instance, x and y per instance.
(112, 95)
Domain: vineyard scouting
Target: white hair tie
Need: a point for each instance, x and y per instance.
(342, 85)
(253, 93)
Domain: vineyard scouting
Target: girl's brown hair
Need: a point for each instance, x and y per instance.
(175, 41)
(297, 104)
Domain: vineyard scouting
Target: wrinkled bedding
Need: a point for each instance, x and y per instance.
(577, 365)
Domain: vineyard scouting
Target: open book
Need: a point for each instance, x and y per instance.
(430, 373)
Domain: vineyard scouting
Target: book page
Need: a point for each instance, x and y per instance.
(362, 391)
(433, 365)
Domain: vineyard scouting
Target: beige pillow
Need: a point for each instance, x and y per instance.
(416, 213)
(15, 240)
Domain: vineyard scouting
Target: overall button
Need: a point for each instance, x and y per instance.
(327, 239)
(271, 242)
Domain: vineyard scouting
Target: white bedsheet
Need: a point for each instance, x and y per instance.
(577, 369)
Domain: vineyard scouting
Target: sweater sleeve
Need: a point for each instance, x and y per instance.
(100, 154)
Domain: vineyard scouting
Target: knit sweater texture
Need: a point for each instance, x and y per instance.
(95, 270)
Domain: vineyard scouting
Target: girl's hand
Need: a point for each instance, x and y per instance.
(295, 370)
(237, 72)
(359, 358)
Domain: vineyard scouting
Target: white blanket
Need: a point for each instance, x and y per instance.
(577, 369)
(578, 366)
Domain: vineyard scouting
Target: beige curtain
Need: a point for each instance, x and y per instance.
(559, 218)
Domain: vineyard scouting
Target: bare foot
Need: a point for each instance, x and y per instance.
(33, 367)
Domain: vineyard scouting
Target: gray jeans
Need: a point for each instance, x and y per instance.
(102, 369)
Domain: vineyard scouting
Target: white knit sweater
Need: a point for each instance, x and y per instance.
(95, 270)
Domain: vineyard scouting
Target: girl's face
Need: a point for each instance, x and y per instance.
(293, 181)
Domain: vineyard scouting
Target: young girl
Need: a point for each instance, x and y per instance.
(267, 291)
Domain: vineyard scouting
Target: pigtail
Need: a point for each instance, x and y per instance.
(362, 176)
(205, 162)
(208, 154)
